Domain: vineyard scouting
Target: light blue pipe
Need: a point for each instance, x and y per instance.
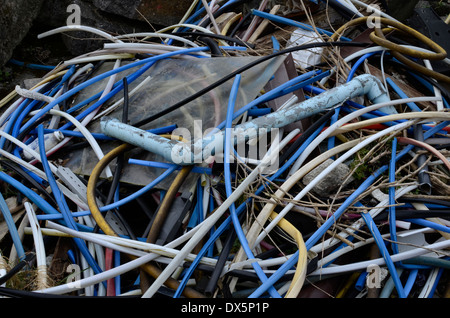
(187, 154)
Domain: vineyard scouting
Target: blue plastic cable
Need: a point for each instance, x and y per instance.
(384, 253)
(226, 224)
(234, 213)
(391, 193)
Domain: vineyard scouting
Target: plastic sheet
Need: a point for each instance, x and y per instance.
(172, 81)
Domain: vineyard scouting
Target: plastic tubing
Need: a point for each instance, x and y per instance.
(86, 133)
(430, 224)
(400, 93)
(200, 230)
(346, 119)
(316, 236)
(391, 193)
(180, 153)
(385, 253)
(341, 159)
(79, 28)
(227, 222)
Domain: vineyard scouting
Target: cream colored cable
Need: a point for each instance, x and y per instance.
(394, 117)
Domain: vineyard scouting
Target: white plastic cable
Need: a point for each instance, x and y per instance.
(41, 261)
(86, 133)
(146, 35)
(79, 28)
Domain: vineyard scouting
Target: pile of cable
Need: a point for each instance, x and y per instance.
(332, 181)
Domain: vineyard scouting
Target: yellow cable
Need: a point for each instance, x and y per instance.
(399, 51)
(300, 272)
(230, 23)
(352, 279)
(106, 228)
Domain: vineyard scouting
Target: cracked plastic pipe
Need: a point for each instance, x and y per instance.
(187, 154)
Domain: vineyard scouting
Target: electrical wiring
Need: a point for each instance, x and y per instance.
(103, 224)
(103, 76)
(206, 225)
(228, 187)
(239, 209)
(86, 133)
(426, 146)
(436, 247)
(339, 123)
(79, 28)
(342, 158)
(245, 228)
(63, 204)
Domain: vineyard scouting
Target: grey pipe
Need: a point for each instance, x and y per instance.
(186, 154)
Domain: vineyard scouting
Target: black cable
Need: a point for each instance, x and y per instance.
(423, 176)
(424, 201)
(240, 24)
(213, 46)
(119, 166)
(413, 214)
(27, 260)
(240, 70)
(221, 261)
